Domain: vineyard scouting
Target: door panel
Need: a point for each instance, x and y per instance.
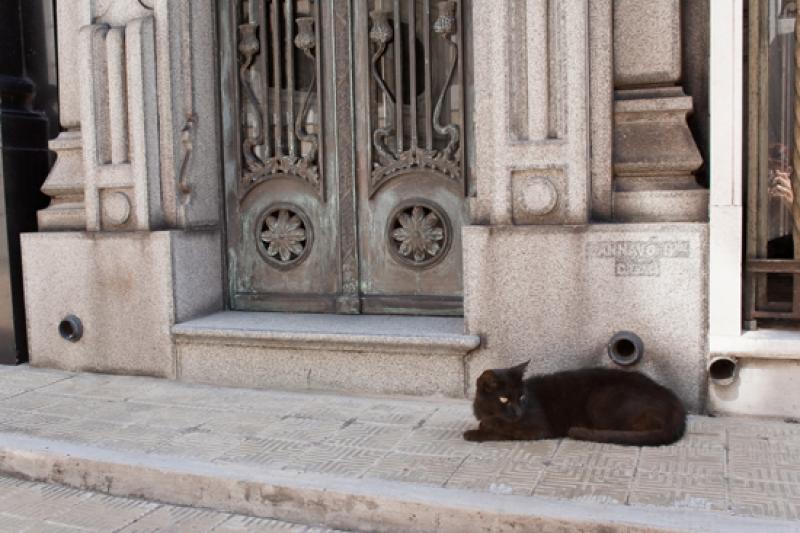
(410, 151)
(344, 154)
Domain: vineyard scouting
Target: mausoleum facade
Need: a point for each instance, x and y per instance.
(389, 196)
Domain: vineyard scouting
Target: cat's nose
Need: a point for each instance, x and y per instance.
(517, 410)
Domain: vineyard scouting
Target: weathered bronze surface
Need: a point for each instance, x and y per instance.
(345, 165)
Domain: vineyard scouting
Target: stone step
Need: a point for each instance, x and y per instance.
(80, 511)
(359, 353)
(370, 463)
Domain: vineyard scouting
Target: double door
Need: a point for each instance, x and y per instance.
(345, 176)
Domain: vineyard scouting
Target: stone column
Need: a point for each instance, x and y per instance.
(65, 183)
(655, 156)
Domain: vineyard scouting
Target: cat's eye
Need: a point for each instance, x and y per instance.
(522, 398)
(503, 399)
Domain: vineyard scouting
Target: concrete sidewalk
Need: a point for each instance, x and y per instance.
(28, 507)
(389, 464)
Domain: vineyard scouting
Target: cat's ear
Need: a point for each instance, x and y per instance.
(519, 370)
(487, 382)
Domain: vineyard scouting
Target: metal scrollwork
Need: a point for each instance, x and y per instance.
(381, 34)
(390, 163)
(445, 26)
(248, 48)
(276, 140)
(306, 40)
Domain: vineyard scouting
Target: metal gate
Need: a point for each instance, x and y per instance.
(345, 155)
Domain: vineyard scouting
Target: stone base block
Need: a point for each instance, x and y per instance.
(126, 289)
(661, 206)
(762, 387)
(373, 354)
(556, 295)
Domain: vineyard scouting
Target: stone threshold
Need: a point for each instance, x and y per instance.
(359, 333)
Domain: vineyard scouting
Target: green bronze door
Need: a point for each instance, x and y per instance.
(344, 155)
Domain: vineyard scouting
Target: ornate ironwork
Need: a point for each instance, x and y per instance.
(418, 234)
(445, 26)
(276, 141)
(434, 155)
(284, 235)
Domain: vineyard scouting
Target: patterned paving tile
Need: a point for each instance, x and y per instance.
(702, 425)
(30, 401)
(307, 430)
(34, 378)
(171, 417)
(177, 519)
(245, 424)
(755, 505)
(678, 490)
(10, 523)
(761, 472)
(369, 435)
(456, 418)
(241, 524)
(425, 469)
(579, 483)
(744, 487)
(273, 453)
(396, 413)
(590, 455)
(682, 460)
(520, 477)
(535, 451)
(334, 409)
(477, 473)
(40, 502)
(32, 423)
(752, 428)
(435, 441)
(336, 460)
(202, 445)
(96, 512)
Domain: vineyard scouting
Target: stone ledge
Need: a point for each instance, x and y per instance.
(356, 333)
(661, 205)
(373, 505)
(762, 344)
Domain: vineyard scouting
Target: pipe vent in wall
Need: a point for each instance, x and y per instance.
(722, 370)
(71, 328)
(625, 348)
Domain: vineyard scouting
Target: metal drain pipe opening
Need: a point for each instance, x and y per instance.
(71, 328)
(625, 348)
(722, 370)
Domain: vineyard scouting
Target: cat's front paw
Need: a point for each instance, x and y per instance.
(474, 435)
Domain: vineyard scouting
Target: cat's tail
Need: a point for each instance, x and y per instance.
(668, 434)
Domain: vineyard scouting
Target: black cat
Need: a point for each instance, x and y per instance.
(596, 404)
